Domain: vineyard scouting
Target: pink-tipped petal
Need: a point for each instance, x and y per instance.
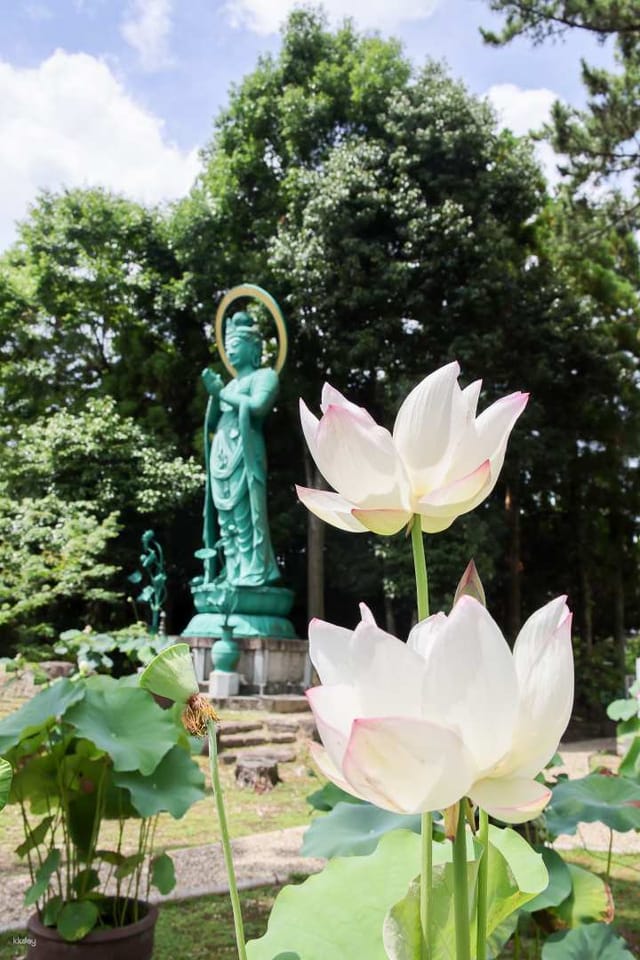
(360, 461)
(365, 614)
(326, 766)
(409, 766)
(383, 522)
(428, 424)
(333, 398)
(543, 658)
(510, 800)
(454, 499)
(334, 710)
(332, 508)
(486, 439)
(329, 652)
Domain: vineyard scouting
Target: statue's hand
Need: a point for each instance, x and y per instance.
(212, 381)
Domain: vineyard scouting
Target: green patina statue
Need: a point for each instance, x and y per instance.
(239, 588)
(236, 461)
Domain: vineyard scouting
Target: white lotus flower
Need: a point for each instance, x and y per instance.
(415, 727)
(441, 462)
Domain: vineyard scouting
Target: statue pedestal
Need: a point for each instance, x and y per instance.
(223, 684)
(268, 665)
(257, 612)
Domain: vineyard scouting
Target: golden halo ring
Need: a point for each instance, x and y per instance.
(256, 293)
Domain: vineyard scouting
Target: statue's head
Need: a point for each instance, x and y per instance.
(242, 340)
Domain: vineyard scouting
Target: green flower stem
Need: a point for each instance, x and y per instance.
(460, 888)
(483, 878)
(420, 568)
(426, 831)
(226, 843)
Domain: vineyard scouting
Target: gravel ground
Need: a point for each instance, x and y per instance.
(273, 857)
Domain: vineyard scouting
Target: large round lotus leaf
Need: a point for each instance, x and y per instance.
(35, 713)
(593, 941)
(516, 874)
(127, 724)
(340, 912)
(630, 766)
(589, 901)
(6, 774)
(171, 674)
(615, 801)
(559, 886)
(353, 829)
(174, 785)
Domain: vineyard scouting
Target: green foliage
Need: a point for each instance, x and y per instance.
(6, 775)
(593, 941)
(316, 919)
(118, 653)
(601, 140)
(50, 552)
(353, 829)
(82, 751)
(612, 800)
(70, 482)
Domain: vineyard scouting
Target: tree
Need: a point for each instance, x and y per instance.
(71, 483)
(601, 141)
(92, 303)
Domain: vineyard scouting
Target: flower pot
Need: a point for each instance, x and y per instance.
(225, 652)
(131, 942)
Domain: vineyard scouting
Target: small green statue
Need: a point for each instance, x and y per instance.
(236, 461)
(155, 593)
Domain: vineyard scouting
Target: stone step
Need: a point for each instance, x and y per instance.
(253, 739)
(277, 754)
(272, 703)
(239, 726)
(226, 740)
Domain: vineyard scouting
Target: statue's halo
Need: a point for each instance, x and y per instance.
(256, 293)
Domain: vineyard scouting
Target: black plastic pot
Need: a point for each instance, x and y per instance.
(131, 942)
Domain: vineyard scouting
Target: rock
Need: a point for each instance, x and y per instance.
(57, 668)
(260, 773)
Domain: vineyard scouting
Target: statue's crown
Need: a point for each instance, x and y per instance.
(242, 324)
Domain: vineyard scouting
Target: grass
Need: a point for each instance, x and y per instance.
(247, 812)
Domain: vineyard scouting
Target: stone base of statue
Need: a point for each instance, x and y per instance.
(267, 665)
(223, 684)
(257, 612)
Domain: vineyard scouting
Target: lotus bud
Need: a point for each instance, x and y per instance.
(470, 585)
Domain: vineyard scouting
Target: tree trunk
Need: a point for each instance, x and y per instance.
(586, 595)
(512, 507)
(617, 539)
(389, 616)
(315, 547)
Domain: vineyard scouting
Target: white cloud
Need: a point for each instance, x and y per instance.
(146, 29)
(71, 123)
(267, 16)
(523, 111)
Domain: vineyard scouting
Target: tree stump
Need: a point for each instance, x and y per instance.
(260, 773)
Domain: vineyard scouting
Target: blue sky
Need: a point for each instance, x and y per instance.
(123, 93)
